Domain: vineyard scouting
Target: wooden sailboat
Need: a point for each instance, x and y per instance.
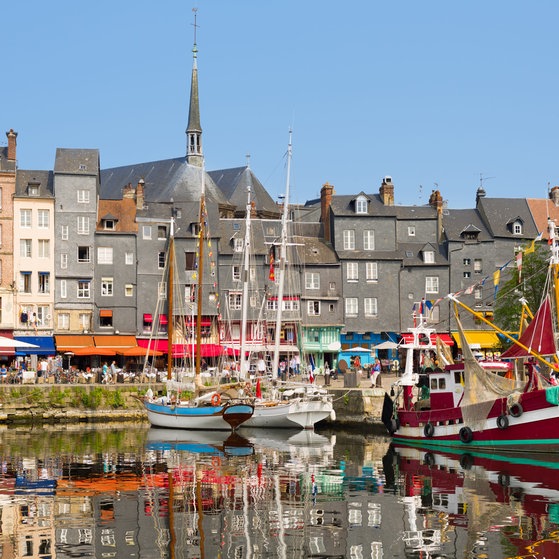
(202, 411)
(473, 404)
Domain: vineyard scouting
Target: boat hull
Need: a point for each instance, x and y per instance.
(533, 426)
(218, 418)
(289, 415)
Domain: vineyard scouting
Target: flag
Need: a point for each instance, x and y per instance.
(272, 275)
(519, 264)
(311, 376)
(496, 280)
(258, 389)
(532, 246)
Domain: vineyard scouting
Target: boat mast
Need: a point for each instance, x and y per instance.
(170, 294)
(283, 251)
(246, 269)
(201, 238)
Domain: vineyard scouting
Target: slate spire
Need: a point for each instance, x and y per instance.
(194, 154)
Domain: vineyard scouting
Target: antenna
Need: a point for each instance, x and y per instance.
(482, 178)
(195, 25)
(248, 159)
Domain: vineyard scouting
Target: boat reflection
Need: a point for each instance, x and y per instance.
(515, 495)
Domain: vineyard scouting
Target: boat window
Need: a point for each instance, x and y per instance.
(458, 377)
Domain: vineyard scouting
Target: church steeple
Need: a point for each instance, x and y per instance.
(194, 154)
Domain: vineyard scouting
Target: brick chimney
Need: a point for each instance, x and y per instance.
(140, 195)
(386, 191)
(128, 191)
(11, 144)
(436, 200)
(554, 195)
(326, 193)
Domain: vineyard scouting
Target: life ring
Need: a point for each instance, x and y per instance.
(216, 399)
(516, 410)
(466, 435)
(216, 461)
(502, 421)
(429, 430)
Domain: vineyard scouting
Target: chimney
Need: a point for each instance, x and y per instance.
(11, 144)
(326, 193)
(554, 195)
(253, 209)
(436, 200)
(128, 191)
(140, 195)
(480, 193)
(386, 191)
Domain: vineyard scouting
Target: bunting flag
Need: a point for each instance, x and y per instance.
(496, 280)
(519, 264)
(272, 275)
(532, 246)
(258, 389)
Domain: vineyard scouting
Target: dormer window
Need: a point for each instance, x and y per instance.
(470, 233)
(33, 189)
(517, 228)
(109, 224)
(428, 256)
(361, 205)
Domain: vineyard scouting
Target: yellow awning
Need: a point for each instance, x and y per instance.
(479, 339)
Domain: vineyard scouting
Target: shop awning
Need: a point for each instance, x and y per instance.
(182, 350)
(407, 338)
(116, 341)
(148, 318)
(106, 313)
(479, 339)
(45, 345)
(69, 343)
(4, 348)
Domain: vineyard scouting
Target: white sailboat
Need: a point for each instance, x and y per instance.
(297, 405)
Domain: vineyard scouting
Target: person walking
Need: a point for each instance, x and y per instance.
(375, 372)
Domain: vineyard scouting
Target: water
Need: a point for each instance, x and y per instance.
(131, 491)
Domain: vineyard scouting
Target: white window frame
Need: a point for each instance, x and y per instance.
(25, 248)
(351, 306)
(25, 218)
(411, 230)
(105, 255)
(478, 293)
(361, 205)
(107, 287)
(371, 271)
(369, 239)
(129, 290)
(63, 320)
(428, 256)
(517, 228)
(43, 218)
(83, 289)
(238, 244)
(313, 308)
(83, 196)
(312, 280)
(235, 300)
(370, 306)
(64, 232)
(352, 271)
(146, 231)
(63, 289)
(432, 284)
(83, 225)
(478, 265)
(43, 283)
(129, 258)
(236, 273)
(349, 239)
(43, 248)
(64, 261)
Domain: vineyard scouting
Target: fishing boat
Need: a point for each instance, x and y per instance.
(190, 405)
(476, 404)
(285, 405)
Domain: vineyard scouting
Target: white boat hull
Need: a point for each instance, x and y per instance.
(290, 414)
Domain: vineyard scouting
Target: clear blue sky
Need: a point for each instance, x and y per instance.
(432, 92)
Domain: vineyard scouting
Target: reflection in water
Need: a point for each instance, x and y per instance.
(146, 493)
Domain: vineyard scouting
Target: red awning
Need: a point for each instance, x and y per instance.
(148, 318)
(163, 319)
(182, 350)
(407, 338)
(7, 350)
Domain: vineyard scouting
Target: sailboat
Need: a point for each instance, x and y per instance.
(204, 411)
(299, 405)
(474, 404)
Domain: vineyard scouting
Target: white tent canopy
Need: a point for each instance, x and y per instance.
(357, 349)
(386, 345)
(10, 342)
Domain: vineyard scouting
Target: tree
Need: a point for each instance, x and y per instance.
(533, 277)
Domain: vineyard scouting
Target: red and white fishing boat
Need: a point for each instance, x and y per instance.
(475, 404)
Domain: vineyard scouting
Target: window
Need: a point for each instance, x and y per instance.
(162, 232)
(370, 306)
(44, 282)
(351, 306)
(64, 261)
(44, 248)
(361, 205)
(107, 287)
(162, 289)
(190, 261)
(291, 304)
(161, 260)
(129, 258)
(146, 231)
(83, 225)
(25, 248)
(105, 318)
(332, 286)
(411, 231)
(0, 234)
(25, 282)
(429, 256)
(84, 320)
(368, 239)
(236, 273)
(128, 290)
(272, 304)
(313, 308)
(83, 196)
(238, 244)
(432, 284)
(312, 280)
(64, 232)
(1, 193)
(349, 239)
(478, 293)
(63, 321)
(83, 254)
(477, 266)
(63, 289)
(84, 289)
(467, 274)
(235, 301)
(467, 262)
(517, 228)
(352, 271)
(25, 218)
(371, 271)
(43, 219)
(43, 315)
(33, 189)
(109, 224)
(104, 255)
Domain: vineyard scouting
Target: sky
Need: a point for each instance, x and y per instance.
(446, 95)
